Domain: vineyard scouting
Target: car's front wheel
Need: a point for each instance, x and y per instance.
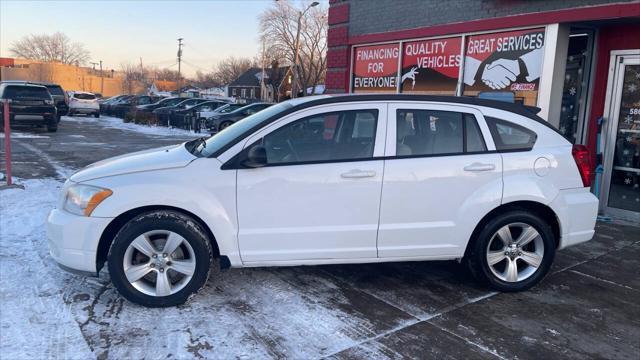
(513, 251)
(160, 258)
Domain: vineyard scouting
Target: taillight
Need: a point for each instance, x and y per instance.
(583, 161)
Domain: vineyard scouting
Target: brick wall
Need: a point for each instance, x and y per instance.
(338, 51)
(366, 17)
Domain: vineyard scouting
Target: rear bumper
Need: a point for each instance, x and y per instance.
(577, 210)
(73, 240)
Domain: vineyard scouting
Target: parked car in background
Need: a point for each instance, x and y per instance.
(28, 105)
(221, 121)
(57, 93)
(391, 178)
(109, 99)
(121, 108)
(169, 101)
(187, 118)
(85, 103)
(107, 106)
(221, 110)
(164, 113)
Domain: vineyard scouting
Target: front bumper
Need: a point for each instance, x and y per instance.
(577, 210)
(73, 240)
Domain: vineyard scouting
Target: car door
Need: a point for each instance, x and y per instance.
(442, 175)
(318, 197)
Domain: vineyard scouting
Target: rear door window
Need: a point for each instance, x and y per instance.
(509, 136)
(435, 132)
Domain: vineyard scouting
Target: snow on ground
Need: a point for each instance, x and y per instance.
(35, 322)
(117, 123)
(242, 313)
(21, 135)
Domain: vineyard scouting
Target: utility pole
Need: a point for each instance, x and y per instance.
(94, 66)
(101, 80)
(296, 75)
(179, 63)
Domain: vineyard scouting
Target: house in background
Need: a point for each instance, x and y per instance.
(249, 86)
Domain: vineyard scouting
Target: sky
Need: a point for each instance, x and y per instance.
(125, 31)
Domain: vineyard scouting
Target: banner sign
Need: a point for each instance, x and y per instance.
(431, 66)
(506, 61)
(375, 68)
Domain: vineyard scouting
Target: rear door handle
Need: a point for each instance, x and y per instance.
(479, 167)
(353, 174)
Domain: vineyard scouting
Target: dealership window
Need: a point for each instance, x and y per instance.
(431, 66)
(234, 92)
(253, 93)
(243, 93)
(576, 83)
(375, 68)
(504, 65)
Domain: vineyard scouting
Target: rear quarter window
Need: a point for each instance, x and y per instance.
(509, 136)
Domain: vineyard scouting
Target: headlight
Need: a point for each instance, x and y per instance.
(83, 199)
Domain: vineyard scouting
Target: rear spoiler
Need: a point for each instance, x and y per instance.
(533, 109)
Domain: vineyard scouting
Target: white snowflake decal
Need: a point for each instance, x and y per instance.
(628, 138)
(563, 129)
(638, 75)
(626, 152)
(627, 181)
(572, 91)
(628, 119)
(637, 199)
(624, 197)
(633, 88)
(635, 186)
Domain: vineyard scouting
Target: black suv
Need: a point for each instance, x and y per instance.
(57, 93)
(29, 105)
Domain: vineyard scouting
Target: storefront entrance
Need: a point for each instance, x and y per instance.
(620, 195)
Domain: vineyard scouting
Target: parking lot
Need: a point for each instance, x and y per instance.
(586, 308)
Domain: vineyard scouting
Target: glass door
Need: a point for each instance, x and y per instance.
(622, 149)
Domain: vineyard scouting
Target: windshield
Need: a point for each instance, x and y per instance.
(233, 132)
(170, 101)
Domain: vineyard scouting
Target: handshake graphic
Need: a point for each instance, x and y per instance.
(500, 73)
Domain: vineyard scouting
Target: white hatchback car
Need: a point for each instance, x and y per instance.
(328, 180)
(81, 102)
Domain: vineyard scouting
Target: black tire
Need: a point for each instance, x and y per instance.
(96, 115)
(52, 127)
(225, 125)
(172, 221)
(476, 257)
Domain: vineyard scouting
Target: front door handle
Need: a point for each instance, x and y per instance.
(356, 173)
(479, 167)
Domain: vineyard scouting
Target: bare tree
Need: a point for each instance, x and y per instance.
(278, 27)
(49, 48)
(230, 68)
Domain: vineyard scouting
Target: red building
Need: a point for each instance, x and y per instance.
(577, 60)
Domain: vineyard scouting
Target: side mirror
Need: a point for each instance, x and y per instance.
(256, 157)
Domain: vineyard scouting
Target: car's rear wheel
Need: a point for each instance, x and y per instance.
(513, 251)
(96, 115)
(159, 259)
(52, 126)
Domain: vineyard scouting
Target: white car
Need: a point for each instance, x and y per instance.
(332, 180)
(81, 102)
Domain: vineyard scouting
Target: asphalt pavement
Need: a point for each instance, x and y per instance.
(587, 307)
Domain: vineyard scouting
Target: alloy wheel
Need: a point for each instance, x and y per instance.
(515, 252)
(159, 263)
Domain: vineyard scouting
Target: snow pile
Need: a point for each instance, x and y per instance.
(117, 123)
